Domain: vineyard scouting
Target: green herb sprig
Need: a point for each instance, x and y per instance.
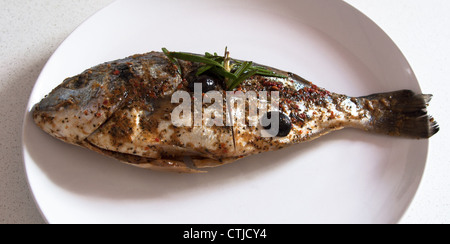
(233, 71)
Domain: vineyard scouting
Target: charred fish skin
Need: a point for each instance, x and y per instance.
(123, 108)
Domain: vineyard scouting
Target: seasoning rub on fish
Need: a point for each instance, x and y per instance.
(123, 109)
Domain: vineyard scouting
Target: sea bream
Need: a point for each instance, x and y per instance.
(125, 108)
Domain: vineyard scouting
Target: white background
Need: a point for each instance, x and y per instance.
(30, 31)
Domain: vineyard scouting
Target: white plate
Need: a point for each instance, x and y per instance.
(346, 177)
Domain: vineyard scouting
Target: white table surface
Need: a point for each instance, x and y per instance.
(30, 31)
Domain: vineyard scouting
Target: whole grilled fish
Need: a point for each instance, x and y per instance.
(123, 109)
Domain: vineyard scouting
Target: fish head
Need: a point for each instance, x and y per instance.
(78, 106)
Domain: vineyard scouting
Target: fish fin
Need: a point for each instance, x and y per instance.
(212, 163)
(170, 165)
(401, 113)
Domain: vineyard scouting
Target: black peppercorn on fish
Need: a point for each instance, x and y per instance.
(124, 109)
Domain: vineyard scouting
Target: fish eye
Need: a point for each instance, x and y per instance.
(208, 83)
(285, 125)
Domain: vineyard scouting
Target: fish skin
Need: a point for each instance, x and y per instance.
(122, 109)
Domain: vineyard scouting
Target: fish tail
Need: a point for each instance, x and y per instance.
(400, 113)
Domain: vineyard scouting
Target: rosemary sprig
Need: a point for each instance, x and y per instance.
(173, 60)
(195, 58)
(233, 71)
